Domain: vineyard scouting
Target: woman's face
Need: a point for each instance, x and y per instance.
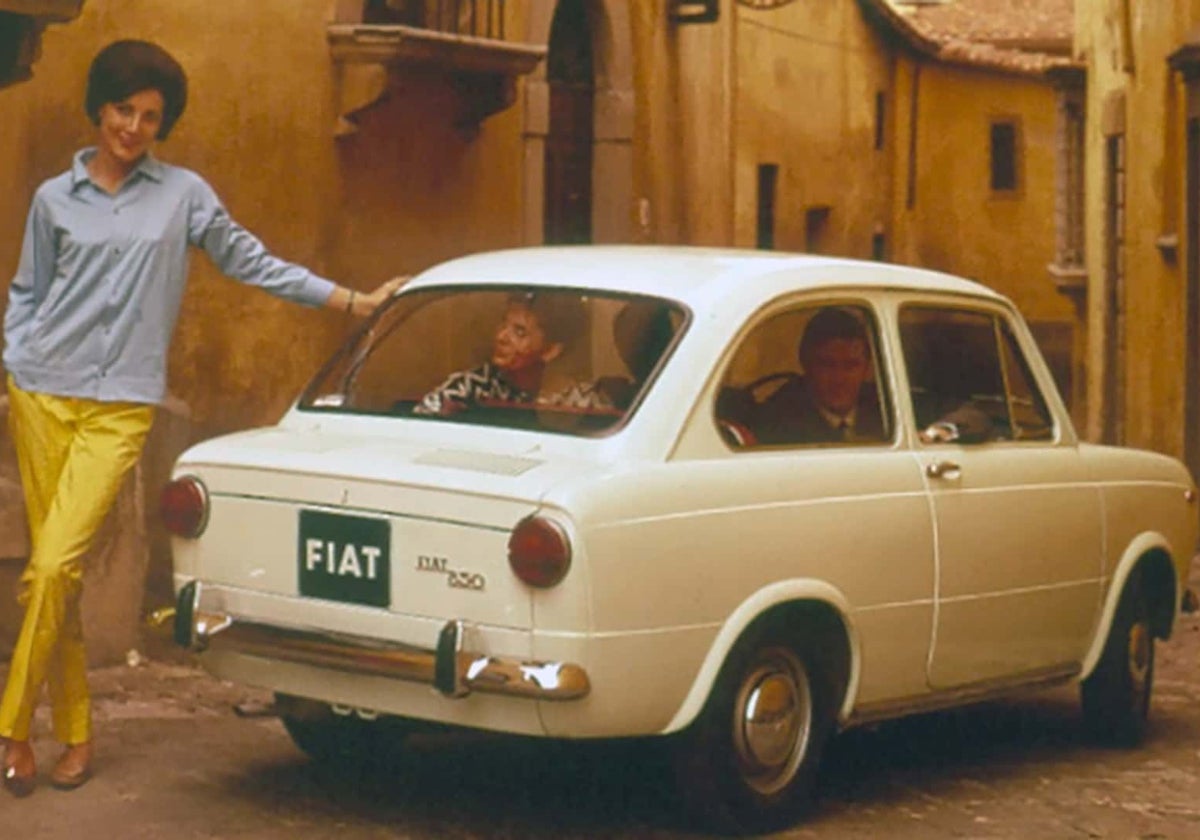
(129, 128)
(520, 341)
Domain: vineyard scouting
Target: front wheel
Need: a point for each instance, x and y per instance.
(749, 762)
(1116, 697)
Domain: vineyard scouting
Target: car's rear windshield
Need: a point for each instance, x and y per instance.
(560, 360)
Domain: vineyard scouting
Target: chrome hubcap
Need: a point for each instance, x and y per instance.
(773, 721)
(1140, 653)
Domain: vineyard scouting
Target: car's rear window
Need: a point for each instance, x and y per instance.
(560, 360)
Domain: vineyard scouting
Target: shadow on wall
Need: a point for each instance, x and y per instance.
(128, 570)
(422, 190)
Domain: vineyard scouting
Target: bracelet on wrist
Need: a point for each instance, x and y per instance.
(350, 302)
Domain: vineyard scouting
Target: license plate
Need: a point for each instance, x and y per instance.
(345, 558)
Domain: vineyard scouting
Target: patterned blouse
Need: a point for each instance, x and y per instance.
(470, 387)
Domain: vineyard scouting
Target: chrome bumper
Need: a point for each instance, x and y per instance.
(447, 667)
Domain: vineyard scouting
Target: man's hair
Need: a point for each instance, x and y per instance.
(642, 331)
(561, 315)
(830, 323)
(124, 68)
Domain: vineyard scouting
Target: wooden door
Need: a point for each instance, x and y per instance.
(568, 162)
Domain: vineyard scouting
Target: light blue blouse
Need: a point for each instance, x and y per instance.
(97, 291)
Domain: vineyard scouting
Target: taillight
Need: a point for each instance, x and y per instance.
(539, 552)
(183, 506)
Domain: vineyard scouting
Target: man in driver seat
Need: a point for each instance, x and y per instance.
(829, 404)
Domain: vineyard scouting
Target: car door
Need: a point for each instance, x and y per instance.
(1018, 523)
(826, 491)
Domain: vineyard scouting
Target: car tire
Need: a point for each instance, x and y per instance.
(1116, 696)
(748, 763)
(341, 739)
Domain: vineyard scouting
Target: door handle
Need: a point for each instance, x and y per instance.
(943, 469)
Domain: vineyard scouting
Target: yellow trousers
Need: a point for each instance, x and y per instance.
(72, 454)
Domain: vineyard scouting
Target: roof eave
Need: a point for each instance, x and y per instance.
(898, 27)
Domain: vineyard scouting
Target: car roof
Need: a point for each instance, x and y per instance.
(689, 274)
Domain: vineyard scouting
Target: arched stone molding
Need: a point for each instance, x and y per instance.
(612, 152)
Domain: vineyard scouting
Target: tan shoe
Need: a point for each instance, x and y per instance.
(74, 767)
(20, 768)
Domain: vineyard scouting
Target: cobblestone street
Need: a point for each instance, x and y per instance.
(175, 760)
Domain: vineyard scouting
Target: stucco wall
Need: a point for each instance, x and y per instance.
(957, 223)
(1130, 83)
(682, 160)
(406, 191)
(807, 79)
(794, 86)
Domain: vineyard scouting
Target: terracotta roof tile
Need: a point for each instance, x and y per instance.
(985, 55)
(995, 21)
(1016, 36)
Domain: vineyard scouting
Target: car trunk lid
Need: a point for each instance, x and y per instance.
(369, 522)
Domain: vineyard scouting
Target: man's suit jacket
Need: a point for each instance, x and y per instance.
(791, 415)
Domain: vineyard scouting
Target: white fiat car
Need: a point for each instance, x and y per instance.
(739, 499)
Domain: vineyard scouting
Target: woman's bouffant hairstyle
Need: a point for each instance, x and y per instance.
(561, 315)
(124, 68)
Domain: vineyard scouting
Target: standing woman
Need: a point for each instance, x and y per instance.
(90, 315)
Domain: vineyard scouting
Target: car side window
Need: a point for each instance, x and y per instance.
(1031, 419)
(808, 376)
(969, 380)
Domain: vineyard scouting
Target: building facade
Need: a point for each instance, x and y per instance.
(369, 138)
(988, 104)
(1143, 232)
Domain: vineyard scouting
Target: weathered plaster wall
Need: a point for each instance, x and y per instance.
(793, 86)
(682, 145)
(957, 223)
(807, 79)
(406, 191)
(658, 159)
(1131, 90)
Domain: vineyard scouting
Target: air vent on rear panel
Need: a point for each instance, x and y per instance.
(485, 462)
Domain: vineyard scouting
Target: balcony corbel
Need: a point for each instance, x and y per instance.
(372, 57)
(1070, 280)
(21, 26)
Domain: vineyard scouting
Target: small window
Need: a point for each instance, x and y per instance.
(807, 377)
(1030, 416)
(969, 380)
(1005, 156)
(406, 12)
(768, 177)
(816, 229)
(880, 120)
(879, 246)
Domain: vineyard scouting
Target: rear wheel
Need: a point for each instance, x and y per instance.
(1116, 697)
(749, 762)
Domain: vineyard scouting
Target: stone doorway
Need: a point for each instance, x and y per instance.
(578, 161)
(568, 158)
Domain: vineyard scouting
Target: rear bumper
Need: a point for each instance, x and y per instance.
(447, 667)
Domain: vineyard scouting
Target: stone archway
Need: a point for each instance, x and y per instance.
(612, 123)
